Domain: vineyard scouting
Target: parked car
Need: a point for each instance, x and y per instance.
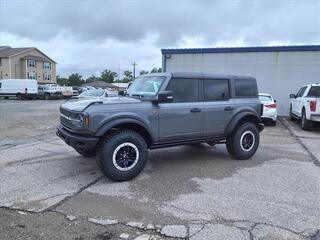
(305, 105)
(162, 110)
(109, 92)
(91, 93)
(20, 88)
(49, 92)
(77, 90)
(270, 112)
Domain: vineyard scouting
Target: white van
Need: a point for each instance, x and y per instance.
(21, 88)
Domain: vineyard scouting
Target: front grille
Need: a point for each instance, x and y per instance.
(66, 116)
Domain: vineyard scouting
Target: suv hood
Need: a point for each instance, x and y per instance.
(79, 104)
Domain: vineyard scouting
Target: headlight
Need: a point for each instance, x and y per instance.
(81, 121)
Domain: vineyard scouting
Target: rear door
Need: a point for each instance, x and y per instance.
(218, 108)
(314, 94)
(181, 119)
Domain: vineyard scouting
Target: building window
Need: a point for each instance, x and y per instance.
(46, 77)
(32, 75)
(46, 65)
(31, 63)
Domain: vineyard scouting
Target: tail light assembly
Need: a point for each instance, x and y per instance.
(313, 106)
(273, 105)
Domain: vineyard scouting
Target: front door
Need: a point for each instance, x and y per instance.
(297, 102)
(181, 119)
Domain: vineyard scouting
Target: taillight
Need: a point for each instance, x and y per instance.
(313, 106)
(273, 105)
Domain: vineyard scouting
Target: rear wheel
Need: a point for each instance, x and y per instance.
(305, 123)
(123, 155)
(244, 142)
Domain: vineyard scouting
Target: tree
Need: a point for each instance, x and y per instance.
(128, 76)
(62, 81)
(108, 76)
(156, 70)
(75, 79)
(143, 72)
(92, 78)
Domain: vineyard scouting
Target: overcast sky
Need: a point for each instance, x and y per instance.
(89, 36)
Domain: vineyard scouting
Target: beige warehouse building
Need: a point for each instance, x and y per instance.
(26, 63)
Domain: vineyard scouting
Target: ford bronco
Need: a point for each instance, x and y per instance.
(163, 110)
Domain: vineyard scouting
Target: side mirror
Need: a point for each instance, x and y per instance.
(164, 97)
(292, 95)
(274, 100)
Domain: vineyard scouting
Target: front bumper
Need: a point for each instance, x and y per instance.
(76, 141)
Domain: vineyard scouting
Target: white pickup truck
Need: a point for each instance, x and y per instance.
(305, 105)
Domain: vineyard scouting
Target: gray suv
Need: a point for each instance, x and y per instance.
(163, 110)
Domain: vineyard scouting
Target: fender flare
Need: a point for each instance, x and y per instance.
(120, 120)
(240, 115)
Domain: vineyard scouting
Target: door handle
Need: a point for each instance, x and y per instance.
(195, 110)
(228, 108)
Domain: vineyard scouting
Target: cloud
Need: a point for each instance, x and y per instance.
(112, 32)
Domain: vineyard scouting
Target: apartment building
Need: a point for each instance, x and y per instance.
(31, 63)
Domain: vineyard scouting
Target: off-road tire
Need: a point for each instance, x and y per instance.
(236, 141)
(108, 154)
(86, 153)
(305, 123)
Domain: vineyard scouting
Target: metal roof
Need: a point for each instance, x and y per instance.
(297, 48)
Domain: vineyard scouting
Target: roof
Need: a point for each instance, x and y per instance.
(6, 51)
(196, 75)
(297, 48)
(101, 84)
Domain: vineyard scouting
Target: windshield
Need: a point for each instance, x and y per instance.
(265, 98)
(145, 86)
(92, 93)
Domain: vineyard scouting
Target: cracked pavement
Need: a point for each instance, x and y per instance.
(48, 191)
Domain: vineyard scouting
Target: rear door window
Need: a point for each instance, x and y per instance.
(245, 88)
(216, 90)
(314, 92)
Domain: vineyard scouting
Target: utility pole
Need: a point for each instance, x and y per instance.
(134, 69)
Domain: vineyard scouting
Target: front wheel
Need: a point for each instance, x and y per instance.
(123, 155)
(244, 141)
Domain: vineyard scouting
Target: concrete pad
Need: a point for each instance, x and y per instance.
(263, 232)
(218, 232)
(38, 176)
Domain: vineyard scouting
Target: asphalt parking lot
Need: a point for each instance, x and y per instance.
(48, 191)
